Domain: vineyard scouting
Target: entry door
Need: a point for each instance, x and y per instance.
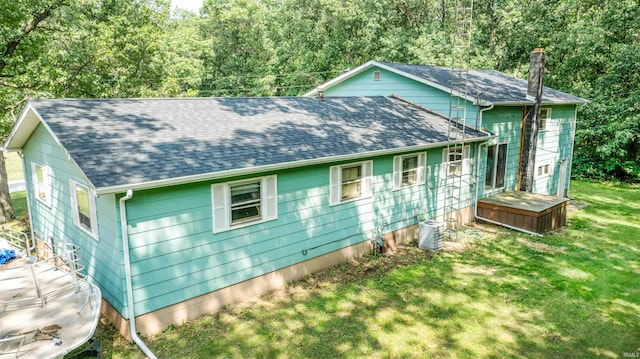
(562, 178)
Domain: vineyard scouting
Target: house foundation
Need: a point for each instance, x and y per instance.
(177, 314)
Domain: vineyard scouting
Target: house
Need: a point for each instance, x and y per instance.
(181, 206)
(495, 102)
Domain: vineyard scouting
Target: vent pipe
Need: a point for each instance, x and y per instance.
(531, 121)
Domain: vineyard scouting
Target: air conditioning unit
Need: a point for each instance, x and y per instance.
(431, 235)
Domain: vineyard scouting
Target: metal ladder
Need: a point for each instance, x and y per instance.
(457, 156)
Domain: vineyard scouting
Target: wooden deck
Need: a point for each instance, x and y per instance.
(529, 211)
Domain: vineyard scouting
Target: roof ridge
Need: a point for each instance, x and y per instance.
(106, 99)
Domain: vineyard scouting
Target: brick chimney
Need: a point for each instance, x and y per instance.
(531, 122)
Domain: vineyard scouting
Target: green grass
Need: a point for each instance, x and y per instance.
(19, 202)
(13, 166)
(572, 294)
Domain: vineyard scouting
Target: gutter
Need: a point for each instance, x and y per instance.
(275, 167)
(127, 270)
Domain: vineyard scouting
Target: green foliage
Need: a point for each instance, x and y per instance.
(123, 48)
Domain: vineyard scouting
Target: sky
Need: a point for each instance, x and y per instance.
(193, 5)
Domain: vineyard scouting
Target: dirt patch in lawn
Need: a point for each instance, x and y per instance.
(405, 254)
(540, 247)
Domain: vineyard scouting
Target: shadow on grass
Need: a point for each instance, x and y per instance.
(575, 294)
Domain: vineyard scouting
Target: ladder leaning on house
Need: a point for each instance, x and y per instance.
(456, 178)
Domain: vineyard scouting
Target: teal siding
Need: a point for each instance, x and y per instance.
(392, 83)
(102, 258)
(554, 145)
(176, 256)
(505, 123)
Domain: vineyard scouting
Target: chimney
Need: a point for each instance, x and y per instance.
(320, 94)
(536, 72)
(531, 122)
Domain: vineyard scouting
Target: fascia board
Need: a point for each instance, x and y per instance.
(340, 78)
(421, 80)
(21, 131)
(24, 129)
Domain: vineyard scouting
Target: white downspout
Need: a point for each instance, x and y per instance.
(509, 226)
(127, 271)
(475, 202)
(475, 207)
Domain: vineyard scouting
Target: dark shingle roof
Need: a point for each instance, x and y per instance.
(130, 141)
(490, 85)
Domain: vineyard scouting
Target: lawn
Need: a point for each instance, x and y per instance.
(495, 294)
(13, 166)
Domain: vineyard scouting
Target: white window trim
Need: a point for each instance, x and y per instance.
(221, 203)
(544, 175)
(495, 166)
(397, 170)
(377, 75)
(546, 119)
(335, 182)
(46, 174)
(92, 209)
(466, 154)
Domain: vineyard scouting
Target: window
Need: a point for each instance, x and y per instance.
(544, 170)
(455, 161)
(377, 75)
(246, 202)
(350, 182)
(408, 170)
(242, 203)
(545, 115)
(83, 206)
(496, 166)
(41, 183)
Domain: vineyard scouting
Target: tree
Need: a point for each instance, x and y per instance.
(89, 48)
(21, 35)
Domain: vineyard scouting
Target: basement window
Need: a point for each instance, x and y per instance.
(377, 75)
(544, 170)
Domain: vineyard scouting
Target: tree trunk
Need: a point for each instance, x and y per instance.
(6, 209)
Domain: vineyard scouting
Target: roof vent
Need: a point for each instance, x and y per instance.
(377, 75)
